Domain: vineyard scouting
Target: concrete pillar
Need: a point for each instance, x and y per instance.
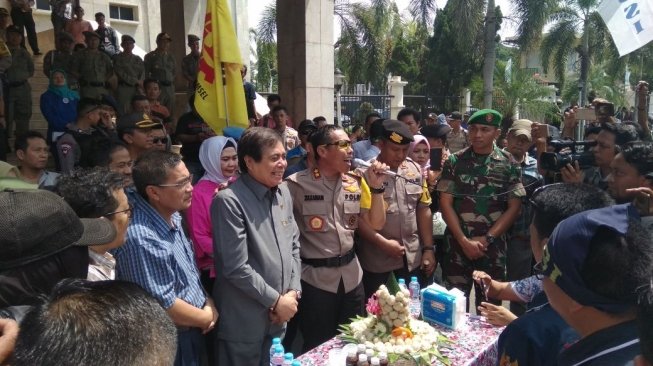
(305, 57)
(396, 89)
(468, 100)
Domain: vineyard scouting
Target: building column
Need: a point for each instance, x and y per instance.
(305, 57)
(396, 88)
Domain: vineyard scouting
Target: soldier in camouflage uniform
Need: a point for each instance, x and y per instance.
(18, 93)
(480, 198)
(190, 63)
(130, 71)
(160, 65)
(92, 68)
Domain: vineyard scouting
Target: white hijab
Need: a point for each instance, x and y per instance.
(210, 153)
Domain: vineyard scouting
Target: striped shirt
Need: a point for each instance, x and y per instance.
(159, 258)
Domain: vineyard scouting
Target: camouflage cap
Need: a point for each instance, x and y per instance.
(488, 117)
(397, 132)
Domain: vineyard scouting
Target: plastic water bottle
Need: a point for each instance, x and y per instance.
(296, 363)
(287, 359)
(277, 357)
(402, 284)
(415, 306)
(275, 342)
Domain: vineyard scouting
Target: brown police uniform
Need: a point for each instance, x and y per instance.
(327, 213)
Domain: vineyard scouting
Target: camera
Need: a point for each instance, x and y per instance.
(578, 151)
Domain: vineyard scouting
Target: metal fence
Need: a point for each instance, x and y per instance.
(356, 107)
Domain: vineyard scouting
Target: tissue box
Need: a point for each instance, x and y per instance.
(444, 307)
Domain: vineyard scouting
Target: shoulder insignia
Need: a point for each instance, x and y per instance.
(351, 188)
(316, 174)
(65, 148)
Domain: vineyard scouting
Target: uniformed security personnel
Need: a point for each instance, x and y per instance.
(190, 63)
(480, 198)
(59, 58)
(92, 68)
(18, 92)
(329, 203)
(405, 244)
(161, 66)
(130, 71)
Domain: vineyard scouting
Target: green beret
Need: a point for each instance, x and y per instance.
(397, 132)
(488, 117)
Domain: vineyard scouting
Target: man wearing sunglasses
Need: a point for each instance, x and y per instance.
(158, 255)
(329, 203)
(405, 244)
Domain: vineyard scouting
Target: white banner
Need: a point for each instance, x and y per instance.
(630, 23)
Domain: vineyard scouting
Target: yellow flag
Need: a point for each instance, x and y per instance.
(219, 95)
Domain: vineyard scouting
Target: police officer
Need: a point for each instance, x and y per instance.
(92, 68)
(190, 63)
(480, 198)
(161, 66)
(329, 203)
(405, 244)
(18, 96)
(130, 71)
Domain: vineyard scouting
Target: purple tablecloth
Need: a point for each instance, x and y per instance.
(473, 345)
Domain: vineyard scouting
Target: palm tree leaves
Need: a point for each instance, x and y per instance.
(533, 15)
(557, 47)
(267, 25)
(423, 11)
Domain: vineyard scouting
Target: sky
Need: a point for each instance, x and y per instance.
(508, 28)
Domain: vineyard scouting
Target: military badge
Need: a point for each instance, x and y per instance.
(396, 138)
(489, 117)
(352, 220)
(316, 173)
(316, 223)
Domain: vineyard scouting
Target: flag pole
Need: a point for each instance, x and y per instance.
(224, 90)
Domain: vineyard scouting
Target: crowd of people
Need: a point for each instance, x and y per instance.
(133, 249)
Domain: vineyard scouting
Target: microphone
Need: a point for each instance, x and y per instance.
(360, 162)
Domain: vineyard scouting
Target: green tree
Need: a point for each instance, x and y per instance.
(265, 38)
(576, 27)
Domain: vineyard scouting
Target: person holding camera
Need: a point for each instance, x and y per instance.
(608, 141)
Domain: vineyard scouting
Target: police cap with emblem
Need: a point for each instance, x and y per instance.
(488, 117)
(134, 121)
(396, 132)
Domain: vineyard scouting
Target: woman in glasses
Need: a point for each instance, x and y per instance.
(220, 162)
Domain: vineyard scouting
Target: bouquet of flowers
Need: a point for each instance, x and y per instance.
(389, 328)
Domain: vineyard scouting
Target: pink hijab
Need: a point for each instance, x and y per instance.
(418, 139)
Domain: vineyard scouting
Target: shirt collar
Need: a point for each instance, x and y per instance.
(257, 188)
(160, 224)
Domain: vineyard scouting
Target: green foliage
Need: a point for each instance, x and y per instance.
(392, 284)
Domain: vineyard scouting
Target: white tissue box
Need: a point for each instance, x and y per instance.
(444, 307)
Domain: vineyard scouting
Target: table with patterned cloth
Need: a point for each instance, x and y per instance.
(475, 344)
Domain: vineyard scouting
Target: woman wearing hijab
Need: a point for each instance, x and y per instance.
(220, 162)
(58, 105)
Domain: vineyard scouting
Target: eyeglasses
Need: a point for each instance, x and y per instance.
(128, 211)
(342, 144)
(538, 270)
(182, 184)
(160, 140)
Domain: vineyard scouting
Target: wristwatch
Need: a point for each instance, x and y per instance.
(490, 239)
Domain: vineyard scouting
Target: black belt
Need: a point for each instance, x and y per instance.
(165, 83)
(92, 83)
(15, 84)
(125, 83)
(339, 261)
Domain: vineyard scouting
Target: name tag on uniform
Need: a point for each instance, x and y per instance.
(313, 197)
(352, 197)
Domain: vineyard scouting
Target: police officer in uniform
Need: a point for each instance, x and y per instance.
(92, 68)
(18, 93)
(161, 66)
(480, 199)
(329, 203)
(130, 71)
(405, 244)
(190, 63)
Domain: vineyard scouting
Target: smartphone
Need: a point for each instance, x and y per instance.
(605, 109)
(585, 114)
(643, 204)
(436, 159)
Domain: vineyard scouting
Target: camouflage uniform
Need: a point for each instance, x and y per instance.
(161, 67)
(129, 69)
(18, 92)
(481, 186)
(93, 68)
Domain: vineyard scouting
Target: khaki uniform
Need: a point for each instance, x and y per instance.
(402, 199)
(93, 68)
(327, 213)
(162, 66)
(54, 60)
(18, 97)
(129, 69)
(189, 67)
